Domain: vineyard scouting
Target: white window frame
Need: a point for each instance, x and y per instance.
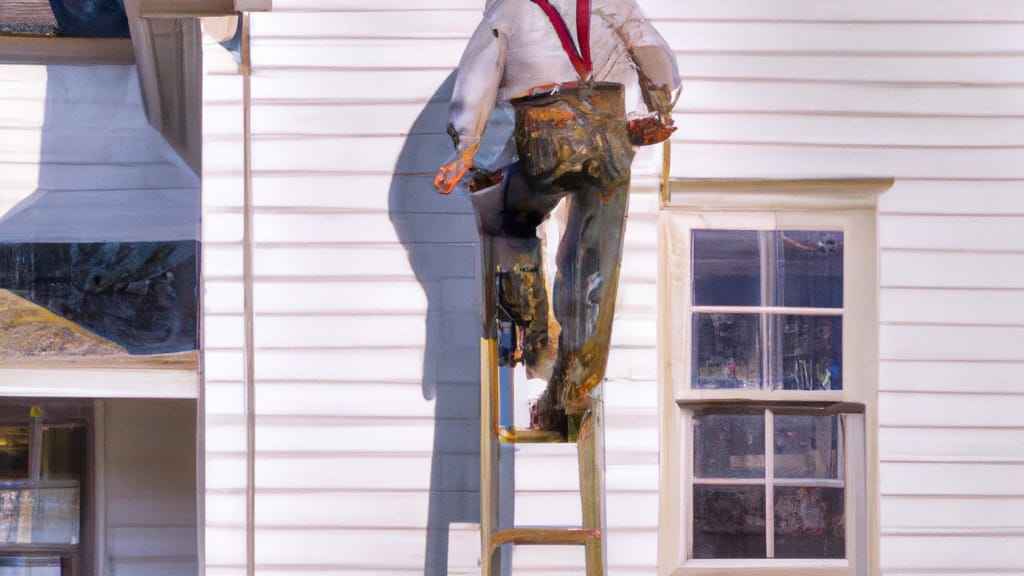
(846, 205)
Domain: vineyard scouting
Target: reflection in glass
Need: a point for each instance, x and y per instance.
(809, 522)
(728, 446)
(40, 515)
(14, 452)
(726, 268)
(726, 351)
(812, 352)
(807, 447)
(729, 522)
(809, 269)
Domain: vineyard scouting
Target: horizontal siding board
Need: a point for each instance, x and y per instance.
(419, 85)
(952, 410)
(339, 297)
(357, 365)
(915, 10)
(276, 263)
(801, 10)
(387, 118)
(974, 233)
(906, 268)
(945, 343)
(358, 191)
(364, 228)
(401, 400)
(387, 25)
(966, 307)
(424, 153)
(342, 331)
(953, 197)
(782, 160)
(951, 479)
(357, 472)
(779, 96)
(860, 131)
(951, 513)
(964, 377)
(944, 442)
(373, 437)
(952, 554)
(809, 37)
(361, 510)
(852, 69)
(359, 54)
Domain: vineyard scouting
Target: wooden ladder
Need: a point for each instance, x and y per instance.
(590, 449)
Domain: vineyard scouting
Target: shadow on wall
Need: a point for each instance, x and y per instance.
(440, 237)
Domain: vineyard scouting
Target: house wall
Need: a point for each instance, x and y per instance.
(149, 487)
(929, 93)
(361, 361)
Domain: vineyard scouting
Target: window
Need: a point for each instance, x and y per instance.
(42, 470)
(769, 353)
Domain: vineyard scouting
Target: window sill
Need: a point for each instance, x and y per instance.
(754, 567)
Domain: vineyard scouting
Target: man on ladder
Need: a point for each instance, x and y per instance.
(545, 80)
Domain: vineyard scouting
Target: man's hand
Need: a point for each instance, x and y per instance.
(449, 175)
(650, 129)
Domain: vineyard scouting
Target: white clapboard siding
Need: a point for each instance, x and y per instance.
(365, 296)
(225, 438)
(928, 93)
(366, 309)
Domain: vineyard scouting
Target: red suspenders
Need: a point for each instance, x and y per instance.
(580, 58)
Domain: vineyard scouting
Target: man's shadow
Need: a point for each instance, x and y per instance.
(440, 237)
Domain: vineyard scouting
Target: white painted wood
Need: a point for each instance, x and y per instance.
(150, 487)
(926, 91)
(919, 269)
(953, 410)
(961, 307)
(964, 377)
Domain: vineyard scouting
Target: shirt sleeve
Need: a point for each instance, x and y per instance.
(656, 64)
(476, 85)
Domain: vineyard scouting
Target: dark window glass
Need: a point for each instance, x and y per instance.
(14, 452)
(809, 269)
(728, 446)
(809, 522)
(727, 351)
(807, 447)
(728, 522)
(811, 352)
(726, 268)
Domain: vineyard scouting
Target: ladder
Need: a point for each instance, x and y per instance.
(495, 532)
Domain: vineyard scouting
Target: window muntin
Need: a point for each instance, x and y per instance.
(768, 483)
(841, 206)
(767, 309)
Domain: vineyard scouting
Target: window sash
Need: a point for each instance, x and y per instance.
(770, 481)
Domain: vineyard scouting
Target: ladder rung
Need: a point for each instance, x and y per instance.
(544, 536)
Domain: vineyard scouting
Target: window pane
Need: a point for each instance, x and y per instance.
(13, 452)
(807, 447)
(809, 271)
(812, 352)
(728, 522)
(726, 351)
(726, 268)
(809, 523)
(728, 446)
